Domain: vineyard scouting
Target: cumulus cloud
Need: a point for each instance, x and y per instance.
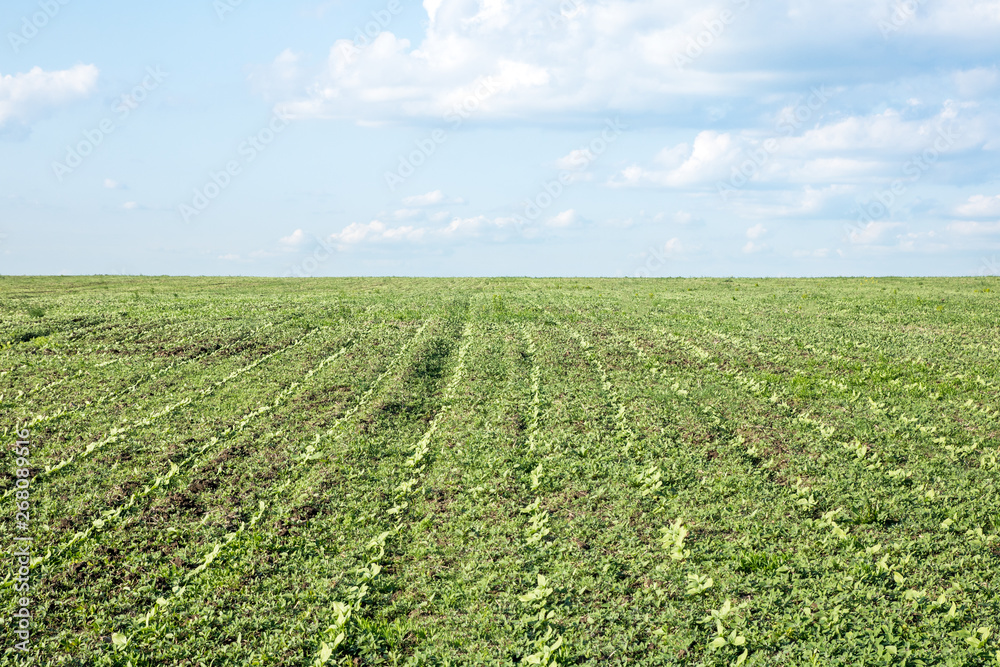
(831, 155)
(583, 57)
(293, 240)
(980, 206)
(376, 231)
(707, 160)
(457, 228)
(437, 228)
(756, 231)
(26, 97)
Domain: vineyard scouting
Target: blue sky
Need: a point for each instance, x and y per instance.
(500, 137)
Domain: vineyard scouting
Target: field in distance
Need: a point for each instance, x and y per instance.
(503, 471)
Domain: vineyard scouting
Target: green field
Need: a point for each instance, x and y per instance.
(486, 471)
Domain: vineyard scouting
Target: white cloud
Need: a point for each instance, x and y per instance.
(456, 229)
(573, 63)
(973, 228)
(752, 247)
(576, 160)
(464, 226)
(130, 205)
(871, 233)
(819, 252)
(827, 159)
(888, 135)
(293, 240)
(566, 218)
(708, 160)
(25, 97)
(974, 83)
(428, 199)
(376, 231)
(431, 7)
(756, 231)
(406, 213)
(980, 206)
(113, 184)
(673, 247)
(586, 57)
(281, 78)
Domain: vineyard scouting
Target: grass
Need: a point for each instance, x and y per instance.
(505, 471)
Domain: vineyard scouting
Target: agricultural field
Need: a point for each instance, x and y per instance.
(501, 471)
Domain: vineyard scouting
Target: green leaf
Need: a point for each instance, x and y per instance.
(119, 640)
(324, 653)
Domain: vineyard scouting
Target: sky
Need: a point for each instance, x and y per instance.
(500, 137)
